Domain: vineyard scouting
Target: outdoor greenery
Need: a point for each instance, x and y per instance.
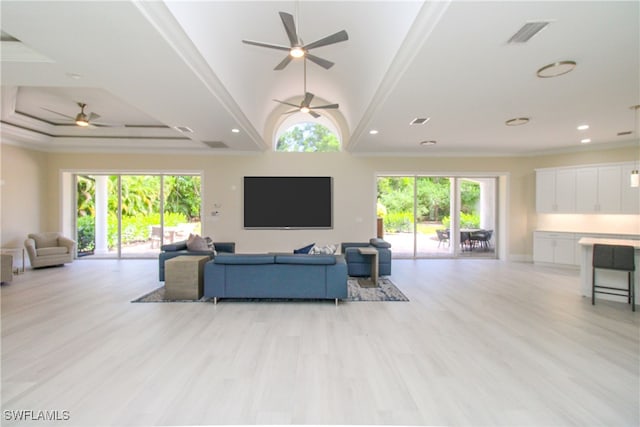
(396, 195)
(140, 197)
(308, 137)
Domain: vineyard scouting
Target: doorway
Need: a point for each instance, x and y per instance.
(428, 216)
(132, 216)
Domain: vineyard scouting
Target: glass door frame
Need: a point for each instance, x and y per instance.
(454, 212)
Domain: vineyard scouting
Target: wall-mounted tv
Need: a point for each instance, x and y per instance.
(287, 202)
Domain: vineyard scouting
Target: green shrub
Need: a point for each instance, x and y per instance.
(398, 222)
(86, 234)
(138, 228)
(471, 220)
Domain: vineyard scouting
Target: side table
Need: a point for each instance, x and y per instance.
(15, 252)
(184, 277)
(373, 253)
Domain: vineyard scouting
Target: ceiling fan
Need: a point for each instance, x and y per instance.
(297, 48)
(82, 119)
(305, 105)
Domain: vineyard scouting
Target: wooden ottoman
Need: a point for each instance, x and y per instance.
(184, 277)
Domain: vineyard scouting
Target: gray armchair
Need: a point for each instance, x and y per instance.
(49, 248)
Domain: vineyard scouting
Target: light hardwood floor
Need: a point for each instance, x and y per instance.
(481, 343)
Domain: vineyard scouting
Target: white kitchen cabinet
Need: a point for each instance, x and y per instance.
(594, 189)
(598, 189)
(554, 248)
(555, 190)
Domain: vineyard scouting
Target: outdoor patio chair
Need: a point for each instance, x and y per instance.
(443, 236)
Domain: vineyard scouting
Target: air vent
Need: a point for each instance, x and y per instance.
(527, 31)
(627, 132)
(215, 144)
(183, 129)
(419, 121)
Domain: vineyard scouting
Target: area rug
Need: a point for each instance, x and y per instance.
(387, 291)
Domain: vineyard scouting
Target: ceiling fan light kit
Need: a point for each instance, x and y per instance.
(298, 50)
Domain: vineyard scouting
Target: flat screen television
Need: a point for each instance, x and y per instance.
(288, 202)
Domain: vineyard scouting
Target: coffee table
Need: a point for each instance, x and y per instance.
(184, 277)
(373, 253)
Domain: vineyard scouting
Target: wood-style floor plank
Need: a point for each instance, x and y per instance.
(481, 342)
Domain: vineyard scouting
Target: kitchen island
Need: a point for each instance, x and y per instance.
(606, 277)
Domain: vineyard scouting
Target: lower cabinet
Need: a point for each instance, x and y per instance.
(562, 248)
(554, 248)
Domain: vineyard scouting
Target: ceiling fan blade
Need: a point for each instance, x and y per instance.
(326, 107)
(338, 37)
(93, 116)
(269, 45)
(106, 125)
(283, 63)
(297, 110)
(290, 28)
(307, 99)
(60, 114)
(287, 103)
(314, 114)
(321, 62)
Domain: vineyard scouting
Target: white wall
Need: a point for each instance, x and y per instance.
(36, 200)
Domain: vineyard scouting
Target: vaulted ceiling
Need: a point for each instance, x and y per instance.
(174, 76)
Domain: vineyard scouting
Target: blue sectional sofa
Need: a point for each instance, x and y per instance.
(276, 276)
(180, 248)
(359, 265)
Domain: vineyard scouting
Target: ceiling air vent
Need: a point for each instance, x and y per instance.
(527, 31)
(215, 144)
(419, 121)
(183, 129)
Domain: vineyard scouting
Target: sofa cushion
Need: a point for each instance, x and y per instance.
(56, 250)
(175, 246)
(244, 259)
(379, 243)
(324, 250)
(304, 250)
(197, 243)
(306, 259)
(45, 240)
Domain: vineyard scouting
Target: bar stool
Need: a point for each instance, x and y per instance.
(614, 257)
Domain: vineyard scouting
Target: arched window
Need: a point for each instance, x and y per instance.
(308, 137)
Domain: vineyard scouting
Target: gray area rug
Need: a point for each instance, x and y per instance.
(386, 291)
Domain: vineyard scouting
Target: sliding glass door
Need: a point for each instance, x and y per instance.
(132, 216)
(438, 216)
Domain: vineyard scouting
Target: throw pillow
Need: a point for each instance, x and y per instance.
(197, 243)
(324, 250)
(304, 250)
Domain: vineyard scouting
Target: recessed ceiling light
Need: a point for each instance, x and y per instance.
(585, 141)
(518, 121)
(373, 132)
(428, 143)
(583, 127)
(74, 76)
(235, 130)
(556, 69)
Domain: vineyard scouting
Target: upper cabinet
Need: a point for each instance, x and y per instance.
(602, 189)
(555, 190)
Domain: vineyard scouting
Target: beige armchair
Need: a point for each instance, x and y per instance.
(49, 248)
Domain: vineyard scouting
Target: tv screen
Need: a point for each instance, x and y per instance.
(288, 202)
